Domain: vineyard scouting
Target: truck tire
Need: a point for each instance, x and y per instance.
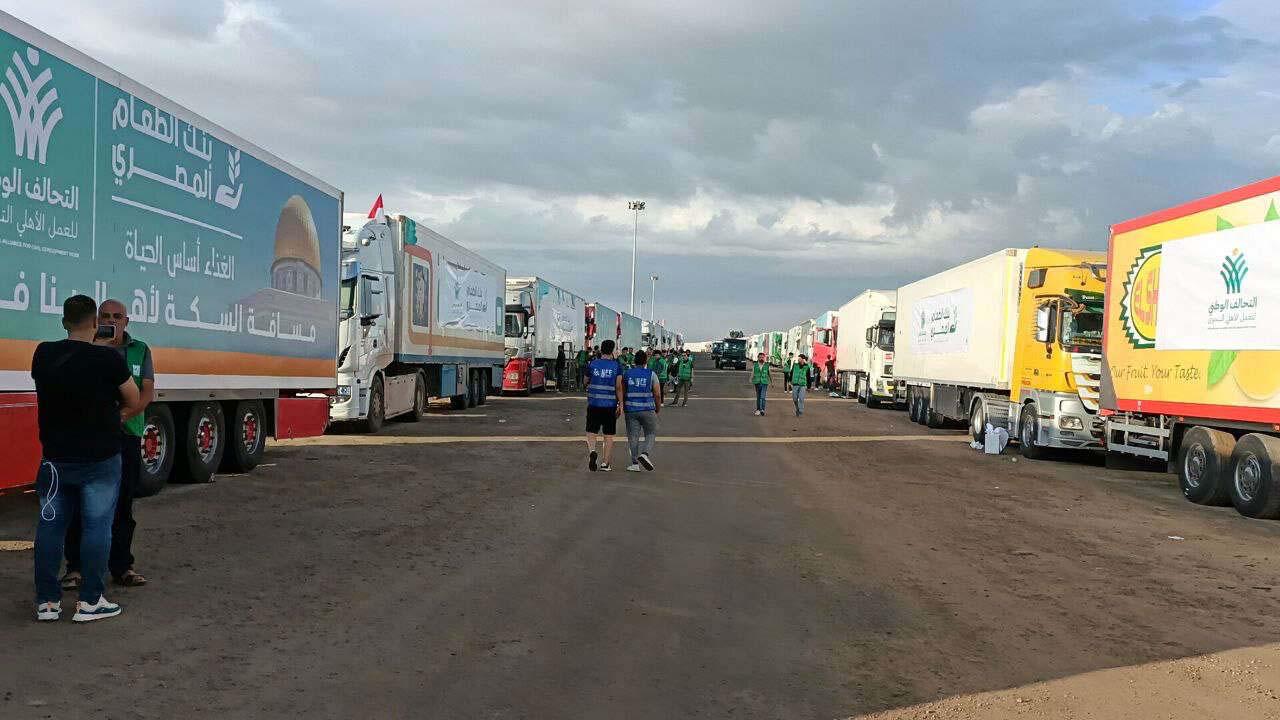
(202, 443)
(978, 420)
(419, 400)
(1205, 462)
(159, 447)
(1028, 431)
(872, 401)
(246, 437)
(933, 420)
(372, 422)
(1255, 481)
(913, 408)
(473, 390)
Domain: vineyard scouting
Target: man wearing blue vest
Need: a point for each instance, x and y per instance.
(603, 375)
(640, 394)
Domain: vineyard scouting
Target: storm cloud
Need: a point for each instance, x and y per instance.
(791, 153)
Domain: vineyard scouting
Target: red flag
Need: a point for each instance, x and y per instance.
(377, 209)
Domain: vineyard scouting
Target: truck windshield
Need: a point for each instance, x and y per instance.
(346, 299)
(735, 346)
(1082, 328)
(514, 325)
(884, 338)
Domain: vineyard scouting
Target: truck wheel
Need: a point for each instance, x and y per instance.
(933, 420)
(1028, 431)
(473, 390)
(419, 400)
(913, 408)
(1204, 460)
(872, 401)
(246, 437)
(377, 409)
(158, 450)
(203, 443)
(1255, 483)
(978, 420)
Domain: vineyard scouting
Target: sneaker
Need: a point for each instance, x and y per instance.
(756, 413)
(591, 463)
(102, 609)
(633, 468)
(604, 467)
(645, 461)
(49, 611)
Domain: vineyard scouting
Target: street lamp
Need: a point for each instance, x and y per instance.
(635, 206)
(653, 296)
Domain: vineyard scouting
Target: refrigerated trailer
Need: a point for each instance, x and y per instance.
(864, 347)
(421, 317)
(1192, 368)
(541, 318)
(225, 255)
(1013, 340)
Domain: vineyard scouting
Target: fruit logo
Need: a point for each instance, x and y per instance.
(1138, 303)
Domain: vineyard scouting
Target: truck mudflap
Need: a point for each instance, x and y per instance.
(300, 417)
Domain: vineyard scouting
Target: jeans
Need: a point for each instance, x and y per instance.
(762, 393)
(646, 421)
(120, 561)
(797, 397)
(92, 485)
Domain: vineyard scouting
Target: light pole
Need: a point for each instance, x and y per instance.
(653, 296)
(635, 206)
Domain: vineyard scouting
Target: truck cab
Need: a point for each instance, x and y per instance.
(521, 374)
(879, 386)
(366, 347)
(733, 353)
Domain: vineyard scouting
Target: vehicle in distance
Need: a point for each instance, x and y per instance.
(733, 353)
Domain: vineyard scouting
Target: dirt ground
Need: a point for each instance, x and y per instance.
(840, 564)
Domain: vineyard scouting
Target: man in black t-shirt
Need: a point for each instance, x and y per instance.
(83, 391)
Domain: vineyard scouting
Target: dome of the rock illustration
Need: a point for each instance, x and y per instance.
(296, 268)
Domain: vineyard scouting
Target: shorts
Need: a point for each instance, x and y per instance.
(602, 420)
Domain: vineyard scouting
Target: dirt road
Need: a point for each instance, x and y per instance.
(842, 563)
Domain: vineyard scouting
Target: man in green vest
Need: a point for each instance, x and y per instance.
(658, 364)
(684, 379)
(760, 378)
(799, 382)
(138, 357)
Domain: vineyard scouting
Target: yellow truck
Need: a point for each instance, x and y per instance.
(1012, 340)
(1192, 347)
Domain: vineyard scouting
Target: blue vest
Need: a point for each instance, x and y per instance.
(601, 391)
(639, 386)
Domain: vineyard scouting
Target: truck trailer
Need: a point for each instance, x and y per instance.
(864, 347)
(1192, 372)
(1013, 340)
(632, 334)
(541, 318)
(420, 317)
(225, 256)
(602, 323)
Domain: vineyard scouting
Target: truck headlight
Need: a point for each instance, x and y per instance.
(1070, 422)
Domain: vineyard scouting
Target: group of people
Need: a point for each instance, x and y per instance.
(92, 390)
(797, 377)
(631, 385)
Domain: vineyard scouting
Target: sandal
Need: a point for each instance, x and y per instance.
(71, 581)
(131, 579)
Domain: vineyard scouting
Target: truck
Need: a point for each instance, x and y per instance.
(822, 351)
(225, 256)
(1013, 340)
(656, 336)
(602, 323)
(864, 349)
(541, 318)
(733, 354)
(420, 317)
(1191, 373)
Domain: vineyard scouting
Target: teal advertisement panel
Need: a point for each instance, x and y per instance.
(211, 249)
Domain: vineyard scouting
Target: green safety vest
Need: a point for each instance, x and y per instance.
(686, 369)
(800, 374)
(760, 374)
(134, 353)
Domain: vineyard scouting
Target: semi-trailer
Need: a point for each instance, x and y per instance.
(541, 318)
(420, 317)
(225, 256)
(864, 347)
(1192, 372)
(1012, 339)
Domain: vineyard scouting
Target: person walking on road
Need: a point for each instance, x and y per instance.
(640, 394)
(799, 382)
(684, 379)
(137, 356)
(786, 371)
(673, 370)
(760, 378)
(83, 391)
(560, 363)
(602, 406)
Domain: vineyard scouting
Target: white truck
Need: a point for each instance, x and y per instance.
(541, 318)
(632, 334)
(420, 317)
(864, 347)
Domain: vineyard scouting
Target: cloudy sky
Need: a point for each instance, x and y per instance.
(792, 153)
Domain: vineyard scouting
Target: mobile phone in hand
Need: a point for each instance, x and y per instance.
(105, 332)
